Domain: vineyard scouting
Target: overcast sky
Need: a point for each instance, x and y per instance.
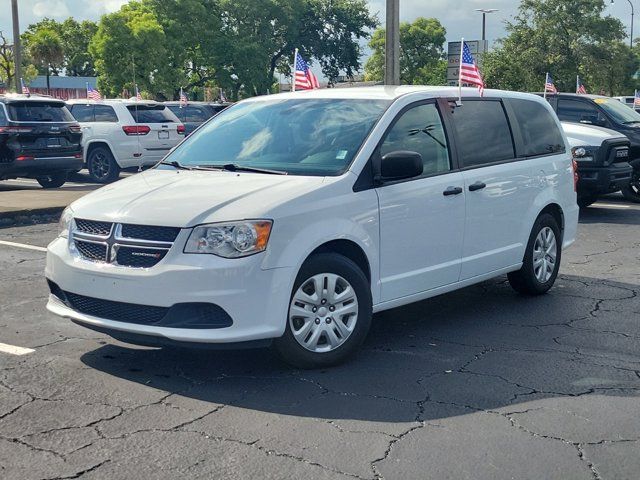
(458, 16)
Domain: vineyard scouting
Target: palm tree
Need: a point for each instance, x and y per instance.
(45, 47)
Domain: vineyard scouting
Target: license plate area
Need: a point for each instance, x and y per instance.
(163, 134)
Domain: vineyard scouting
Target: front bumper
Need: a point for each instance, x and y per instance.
(600, 180)
(40, 166)
(256, 300)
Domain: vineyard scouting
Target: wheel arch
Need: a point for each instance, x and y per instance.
(556, 212)
(349, 249)
(96, 143)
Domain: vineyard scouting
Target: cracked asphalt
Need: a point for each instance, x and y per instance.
(477, 384)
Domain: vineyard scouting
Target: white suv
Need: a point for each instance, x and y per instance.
(290, 219)
(118, 134)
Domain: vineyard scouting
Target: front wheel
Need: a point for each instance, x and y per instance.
(541, 260)
(330, 312)
(55, 180)
(632, 191)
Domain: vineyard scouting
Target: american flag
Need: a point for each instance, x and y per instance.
(580, 90)
(25, 89)
(183, 98)
(138, 96)
(304, 79)
(636, 99)
(93, 94)
(549, 86)
(469, 72)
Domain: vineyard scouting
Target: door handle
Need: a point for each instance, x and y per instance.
(452, 191)
(477, 186)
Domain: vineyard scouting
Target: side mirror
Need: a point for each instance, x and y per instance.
(400, 165)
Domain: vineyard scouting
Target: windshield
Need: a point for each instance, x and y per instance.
(300, 137)
(33, 111)
(618, 111)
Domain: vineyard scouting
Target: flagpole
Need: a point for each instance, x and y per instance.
(577, 83)
(546, 78)
(460, 72)
(293, 71)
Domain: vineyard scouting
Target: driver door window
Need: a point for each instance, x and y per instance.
(580, 112)
(420, 130)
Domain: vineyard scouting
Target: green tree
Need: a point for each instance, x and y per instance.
(421, 53)
(45, 48)
(564, 37)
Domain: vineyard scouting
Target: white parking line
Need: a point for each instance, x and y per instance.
(13, 350)
(610, 205)
(23, 245)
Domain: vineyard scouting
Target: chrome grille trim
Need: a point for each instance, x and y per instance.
(114, 241)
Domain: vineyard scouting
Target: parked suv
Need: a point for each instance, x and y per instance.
(195, 114)
(608, 113)
(124, 133)
(289, 219)
(602, 156)
(38, 139)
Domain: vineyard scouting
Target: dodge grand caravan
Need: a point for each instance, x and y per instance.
(291, 219)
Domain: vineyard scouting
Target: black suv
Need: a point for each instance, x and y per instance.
(39, 138)
(609, 113)
(195, 114)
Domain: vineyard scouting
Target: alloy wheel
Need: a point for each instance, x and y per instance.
(545, 254)
(323, 312)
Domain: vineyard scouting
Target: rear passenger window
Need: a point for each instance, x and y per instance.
(483, 132)
(420, 130)
(82, 113)
(540, 133)
(105, 113)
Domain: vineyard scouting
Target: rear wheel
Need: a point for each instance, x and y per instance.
(55, 180)
(102, 166)
(329, 313)
(632, 191)
(541, 260)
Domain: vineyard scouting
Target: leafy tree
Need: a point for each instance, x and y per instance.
(45, 48)
(421, 53)
(564, 37)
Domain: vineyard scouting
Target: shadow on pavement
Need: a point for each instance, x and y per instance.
(482, 348)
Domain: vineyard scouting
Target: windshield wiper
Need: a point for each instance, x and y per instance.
(234, 167)
(630, 122)
(175, 164)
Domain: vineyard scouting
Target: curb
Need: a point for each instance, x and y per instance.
(29, 217)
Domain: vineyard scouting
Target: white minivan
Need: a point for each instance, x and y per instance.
(290, 219)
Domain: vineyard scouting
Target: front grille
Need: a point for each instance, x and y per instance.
(139, 257)
(118, 311)
(92, 251)
(92, 227)
(148, 232)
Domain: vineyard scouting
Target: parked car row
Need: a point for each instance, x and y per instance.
(46, 139)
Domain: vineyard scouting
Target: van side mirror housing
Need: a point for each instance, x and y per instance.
(399, 165)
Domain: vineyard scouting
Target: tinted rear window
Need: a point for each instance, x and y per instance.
(39, 112)
(540, 133)
(483, 132)
(151, 114)
(82, 113)
(105, 113)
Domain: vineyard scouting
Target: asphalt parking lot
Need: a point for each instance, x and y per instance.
(477, 384)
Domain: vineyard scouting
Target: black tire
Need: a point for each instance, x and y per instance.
(631, 191)
(102, 166)
(524, 280)
(293, 352)
(585, 200)
(55, 180)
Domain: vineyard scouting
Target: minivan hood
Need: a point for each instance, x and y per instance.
(182, 198)
(581, 135)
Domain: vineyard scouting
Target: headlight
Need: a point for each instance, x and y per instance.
(230, 240)
(65, 222)
(582, 154)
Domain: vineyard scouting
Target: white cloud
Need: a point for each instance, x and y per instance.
(51, 8)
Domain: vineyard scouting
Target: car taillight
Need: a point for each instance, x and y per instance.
(75, 128)
(576, 176)
(180, 129)
(21, 158)
(15, 129)
(136, 129)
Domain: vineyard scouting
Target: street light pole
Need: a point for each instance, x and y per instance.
(632, 14)
(17, 52)
(392, 45)
(484, 12)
